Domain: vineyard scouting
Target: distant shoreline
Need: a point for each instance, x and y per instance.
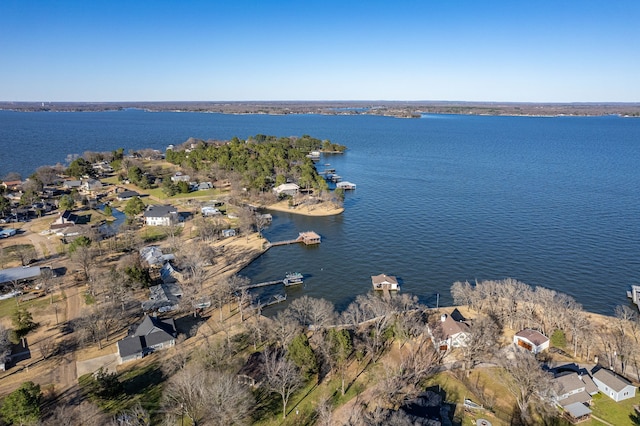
(398, 109)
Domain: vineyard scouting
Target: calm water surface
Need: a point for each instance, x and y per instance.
(549, 201)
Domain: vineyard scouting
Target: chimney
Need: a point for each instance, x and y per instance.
(443, 317)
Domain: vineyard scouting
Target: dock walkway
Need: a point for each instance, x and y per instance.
(308, 238)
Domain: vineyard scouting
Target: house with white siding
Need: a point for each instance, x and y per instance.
(613, 385)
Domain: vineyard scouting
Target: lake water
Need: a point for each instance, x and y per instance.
(548, 201)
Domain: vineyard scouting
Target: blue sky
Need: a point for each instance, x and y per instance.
(112, 50)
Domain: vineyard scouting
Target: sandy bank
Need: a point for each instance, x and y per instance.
(322, 209)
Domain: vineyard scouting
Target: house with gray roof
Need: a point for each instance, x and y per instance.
(19, 274)
(613, 385)
(151, 335)
(160, 215)
(573, 387)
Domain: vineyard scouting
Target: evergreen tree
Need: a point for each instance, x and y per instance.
(22, 406)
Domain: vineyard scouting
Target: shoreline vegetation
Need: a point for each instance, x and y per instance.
(360, 366)
(399, 109)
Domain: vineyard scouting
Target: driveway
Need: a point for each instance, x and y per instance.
(108, 362)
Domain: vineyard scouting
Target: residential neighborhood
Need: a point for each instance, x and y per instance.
(120, 280)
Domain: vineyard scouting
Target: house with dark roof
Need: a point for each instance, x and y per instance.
(613, 385)
(66, 218)
(126, 195)
(531, 340)
(160, 215)
(151, 335)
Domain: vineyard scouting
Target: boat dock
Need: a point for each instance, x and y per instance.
(634, 295)
(308, 238)
(289, 280)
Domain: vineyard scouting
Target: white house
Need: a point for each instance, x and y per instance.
(90, 185)
(531, 340)
(160, 215)
(614, 386)
(455, 333)
(210, 211)
(573, 387)
(286, 189)
(179, 177)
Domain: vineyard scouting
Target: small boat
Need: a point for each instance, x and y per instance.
(293, 278)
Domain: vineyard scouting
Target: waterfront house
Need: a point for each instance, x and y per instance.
(151, 335)
(12, 185)
(531, 340)
(384, 282)
(290, 189)
(161, 215)
(613, 385)
(455, 331)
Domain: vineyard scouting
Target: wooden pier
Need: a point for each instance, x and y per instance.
(308, 238)
(289, 280)
(264, 284)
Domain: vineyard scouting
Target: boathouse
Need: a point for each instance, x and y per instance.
(309, 238)
(384, 282)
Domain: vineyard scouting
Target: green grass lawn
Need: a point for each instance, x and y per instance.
(140, 385)
(617, 413)
(8, 306)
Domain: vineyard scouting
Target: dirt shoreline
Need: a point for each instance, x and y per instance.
(322, 209)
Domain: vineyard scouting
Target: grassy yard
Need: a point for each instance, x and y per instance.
(140, 385)
(8, 306)
(617, 413)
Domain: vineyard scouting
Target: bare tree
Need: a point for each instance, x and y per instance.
(134, 416)
(284, 329)
(309, 311)
(86, 413)
(186, 394)
(324, 413)
(532, 387)
(26, 254)
(85, 258)
(221, 294)
(462, 293)
(231, 402)
(483, 341)
(282, 377)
